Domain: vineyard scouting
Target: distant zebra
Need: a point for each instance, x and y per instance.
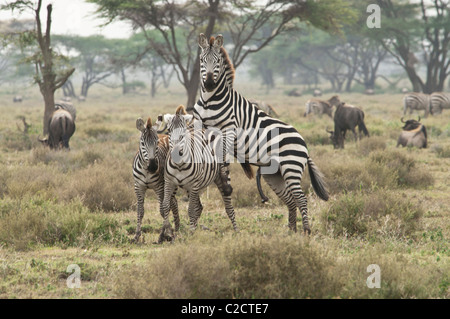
(320, 107)
(439, 101)
(416, 101)
(148, 169)
(258, 138)
(192, 165)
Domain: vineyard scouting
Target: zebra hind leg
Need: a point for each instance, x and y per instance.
(278, 185)
(302, 204)
(227, 202)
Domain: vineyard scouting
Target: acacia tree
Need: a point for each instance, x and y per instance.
(180, 23)
(51, 69)
(418, 34)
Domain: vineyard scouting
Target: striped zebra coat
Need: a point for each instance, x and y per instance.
(254, 136)
(148, 169)
(439, 101)
(192, 164)
(416, 101)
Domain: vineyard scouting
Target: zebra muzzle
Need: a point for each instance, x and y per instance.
(153, 166)
(209, 82)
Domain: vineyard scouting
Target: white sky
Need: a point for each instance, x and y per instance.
(73, 17)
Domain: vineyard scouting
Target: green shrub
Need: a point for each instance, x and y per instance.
(236, 268)
(368, 145)
(15, 140)
(105, 186)
(38, 221)
(371, 215)
(408, 174)
(442, 152)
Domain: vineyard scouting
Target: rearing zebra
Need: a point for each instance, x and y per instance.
(258, 138)
(148, 169)
(192, 164)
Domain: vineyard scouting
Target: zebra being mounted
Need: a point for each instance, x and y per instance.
(192, 164)
(255, 137)
(148, 169)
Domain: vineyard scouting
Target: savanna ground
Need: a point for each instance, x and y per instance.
(388, 207)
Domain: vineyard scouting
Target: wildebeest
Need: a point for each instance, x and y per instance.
(320, 107)
(68, 106)
(17, 98)
(416, 101)
(414, 134)
(61, 128)
(347, 117)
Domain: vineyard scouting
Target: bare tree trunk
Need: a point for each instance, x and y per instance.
(192, 86)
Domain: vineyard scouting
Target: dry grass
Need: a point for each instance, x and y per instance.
(388, 206)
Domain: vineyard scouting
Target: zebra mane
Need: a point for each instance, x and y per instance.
(229, 68)
(180, 110)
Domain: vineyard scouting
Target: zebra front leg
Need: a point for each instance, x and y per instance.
(140, 194)
(167, 233)
(174, 209)
(227, 201)
(195, 209)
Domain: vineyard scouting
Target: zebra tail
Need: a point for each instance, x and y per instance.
(248, 170)
(317, 180)
(363, 127)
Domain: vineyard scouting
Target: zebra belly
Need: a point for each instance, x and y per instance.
(204, 175)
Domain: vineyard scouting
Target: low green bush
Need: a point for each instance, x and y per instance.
(375, 215)
(30, 221)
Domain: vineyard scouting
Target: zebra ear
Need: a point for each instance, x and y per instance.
(203, 41)
(218, 41)
(140, 125)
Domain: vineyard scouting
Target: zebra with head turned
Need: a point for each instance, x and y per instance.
(416, 101)
(258, 138)
(439, 101)
(148, 169)
(192, 164)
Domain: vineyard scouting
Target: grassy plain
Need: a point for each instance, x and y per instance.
(388, 206)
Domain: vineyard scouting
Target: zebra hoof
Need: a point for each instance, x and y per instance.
(136, 238)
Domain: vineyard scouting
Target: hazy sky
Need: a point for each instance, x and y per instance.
(74, 17)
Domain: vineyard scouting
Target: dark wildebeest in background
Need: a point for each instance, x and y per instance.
(61, 128)
(17, 98)
(320, 107)
(414, 134)
(347, 117)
